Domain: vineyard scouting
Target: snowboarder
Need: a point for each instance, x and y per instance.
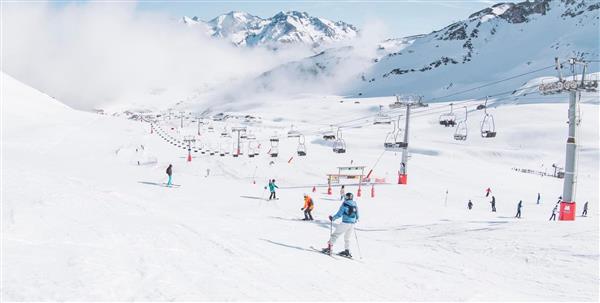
(308, 208)
(519, 206)
(470, 204)
(538, 198)
(493, 202)
(170, 174)
(585, 207)
(342, 193)
(272, 187)
(349, 213)
(487, 192)
(553, 217)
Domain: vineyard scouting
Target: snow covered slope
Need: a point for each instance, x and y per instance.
(85, 215)
(284, 28)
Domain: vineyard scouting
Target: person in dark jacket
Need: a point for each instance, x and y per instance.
(539, 198)
(493, 202)
(519, 206)
(470, 204)
(554, 210)
(585, 207)
(170, 174)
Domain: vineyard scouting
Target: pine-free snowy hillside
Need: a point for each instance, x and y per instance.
(498, 42)
(284, 28)
(86, 215)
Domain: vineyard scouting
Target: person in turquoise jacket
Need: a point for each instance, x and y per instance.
(272, 187)
(348, 211)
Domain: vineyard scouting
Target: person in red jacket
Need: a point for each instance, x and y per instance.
(309, 205)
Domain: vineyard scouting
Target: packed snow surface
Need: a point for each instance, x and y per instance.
(85, 215)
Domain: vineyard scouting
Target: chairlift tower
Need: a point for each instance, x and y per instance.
(408, 102)
(573, 87)
(189, 140)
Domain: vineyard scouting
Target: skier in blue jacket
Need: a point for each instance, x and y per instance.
(349, 213)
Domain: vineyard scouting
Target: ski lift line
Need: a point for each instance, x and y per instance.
(495, 82)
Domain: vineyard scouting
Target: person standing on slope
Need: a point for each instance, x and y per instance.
(309, 205)
(487, 192)
(538, 198)
(585, 207)
(519, 206)
(272, 188)
(470, 204)
(554, 210)
(349, 213)
(493, 202)
(170, 174)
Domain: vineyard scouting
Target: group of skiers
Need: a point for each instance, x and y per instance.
(488, 191)
(348, 211)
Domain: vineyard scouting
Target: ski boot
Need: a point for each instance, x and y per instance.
(326, 251)
(345, 253)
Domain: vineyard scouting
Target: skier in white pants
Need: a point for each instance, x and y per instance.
(349, 213)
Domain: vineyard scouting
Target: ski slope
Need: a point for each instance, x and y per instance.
(81, 220)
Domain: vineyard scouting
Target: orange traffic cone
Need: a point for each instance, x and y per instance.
(373, 191)
(189, 158)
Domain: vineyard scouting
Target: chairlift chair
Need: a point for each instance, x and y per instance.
(301, 146)
(382, 118)
(488, 127)
(448, 119)
(274, 146)
(293, 133)
(392, 142)
(339, 145)
(461, 129)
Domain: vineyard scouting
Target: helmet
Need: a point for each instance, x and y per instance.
(349, 196)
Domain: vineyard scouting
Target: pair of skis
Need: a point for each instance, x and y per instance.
(335, 256)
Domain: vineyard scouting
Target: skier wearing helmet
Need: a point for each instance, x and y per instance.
(349, 213)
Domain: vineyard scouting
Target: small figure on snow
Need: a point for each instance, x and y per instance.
(585, 208)
(342, 193)
(539, 197)
(207, 172)
(493, 202)
(349, 213)
(272, 187)
(470, 204)
(309, 205)
(488, 191)
(170, 174)
(554, 210)
(519, 206)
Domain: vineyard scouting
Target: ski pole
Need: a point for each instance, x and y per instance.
(358, 246)
(330, 234)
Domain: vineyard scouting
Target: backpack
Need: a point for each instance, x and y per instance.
(350, 210)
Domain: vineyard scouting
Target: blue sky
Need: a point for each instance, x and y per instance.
(400, 17)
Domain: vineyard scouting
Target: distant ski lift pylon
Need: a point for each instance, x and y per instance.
(448, 119)
(382, 118)
(301, 146)
(488, 127)
(461, 128)
(339, 145)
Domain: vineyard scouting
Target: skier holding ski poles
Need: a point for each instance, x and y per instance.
(309, 205)
(349, 213)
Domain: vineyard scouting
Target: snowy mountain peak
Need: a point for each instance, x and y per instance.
(285, 27)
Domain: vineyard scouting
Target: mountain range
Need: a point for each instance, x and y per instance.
(285, 28)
